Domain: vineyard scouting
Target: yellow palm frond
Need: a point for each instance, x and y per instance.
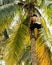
(41, 48)
(42, 52)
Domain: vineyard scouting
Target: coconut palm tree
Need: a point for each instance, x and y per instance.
(13, 48)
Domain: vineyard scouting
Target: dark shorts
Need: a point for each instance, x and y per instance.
(35, 25)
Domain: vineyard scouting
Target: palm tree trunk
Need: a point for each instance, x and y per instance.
(33, 52)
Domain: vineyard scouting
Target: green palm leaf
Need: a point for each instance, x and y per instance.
(14, 48)
(26, 56)
(17, 43)
(7, 15)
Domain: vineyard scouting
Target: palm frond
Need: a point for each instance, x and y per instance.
(26, 56)
(17, 43)
(14, 48)
(7, 15)
(46, 32)
(42, 53)
(45, 26)
(40, 3)
(49, 12)
(42, 50)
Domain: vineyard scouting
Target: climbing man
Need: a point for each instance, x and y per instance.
(35, 25)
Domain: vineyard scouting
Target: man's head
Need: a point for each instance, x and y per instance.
(34, 15)
(33, 18)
